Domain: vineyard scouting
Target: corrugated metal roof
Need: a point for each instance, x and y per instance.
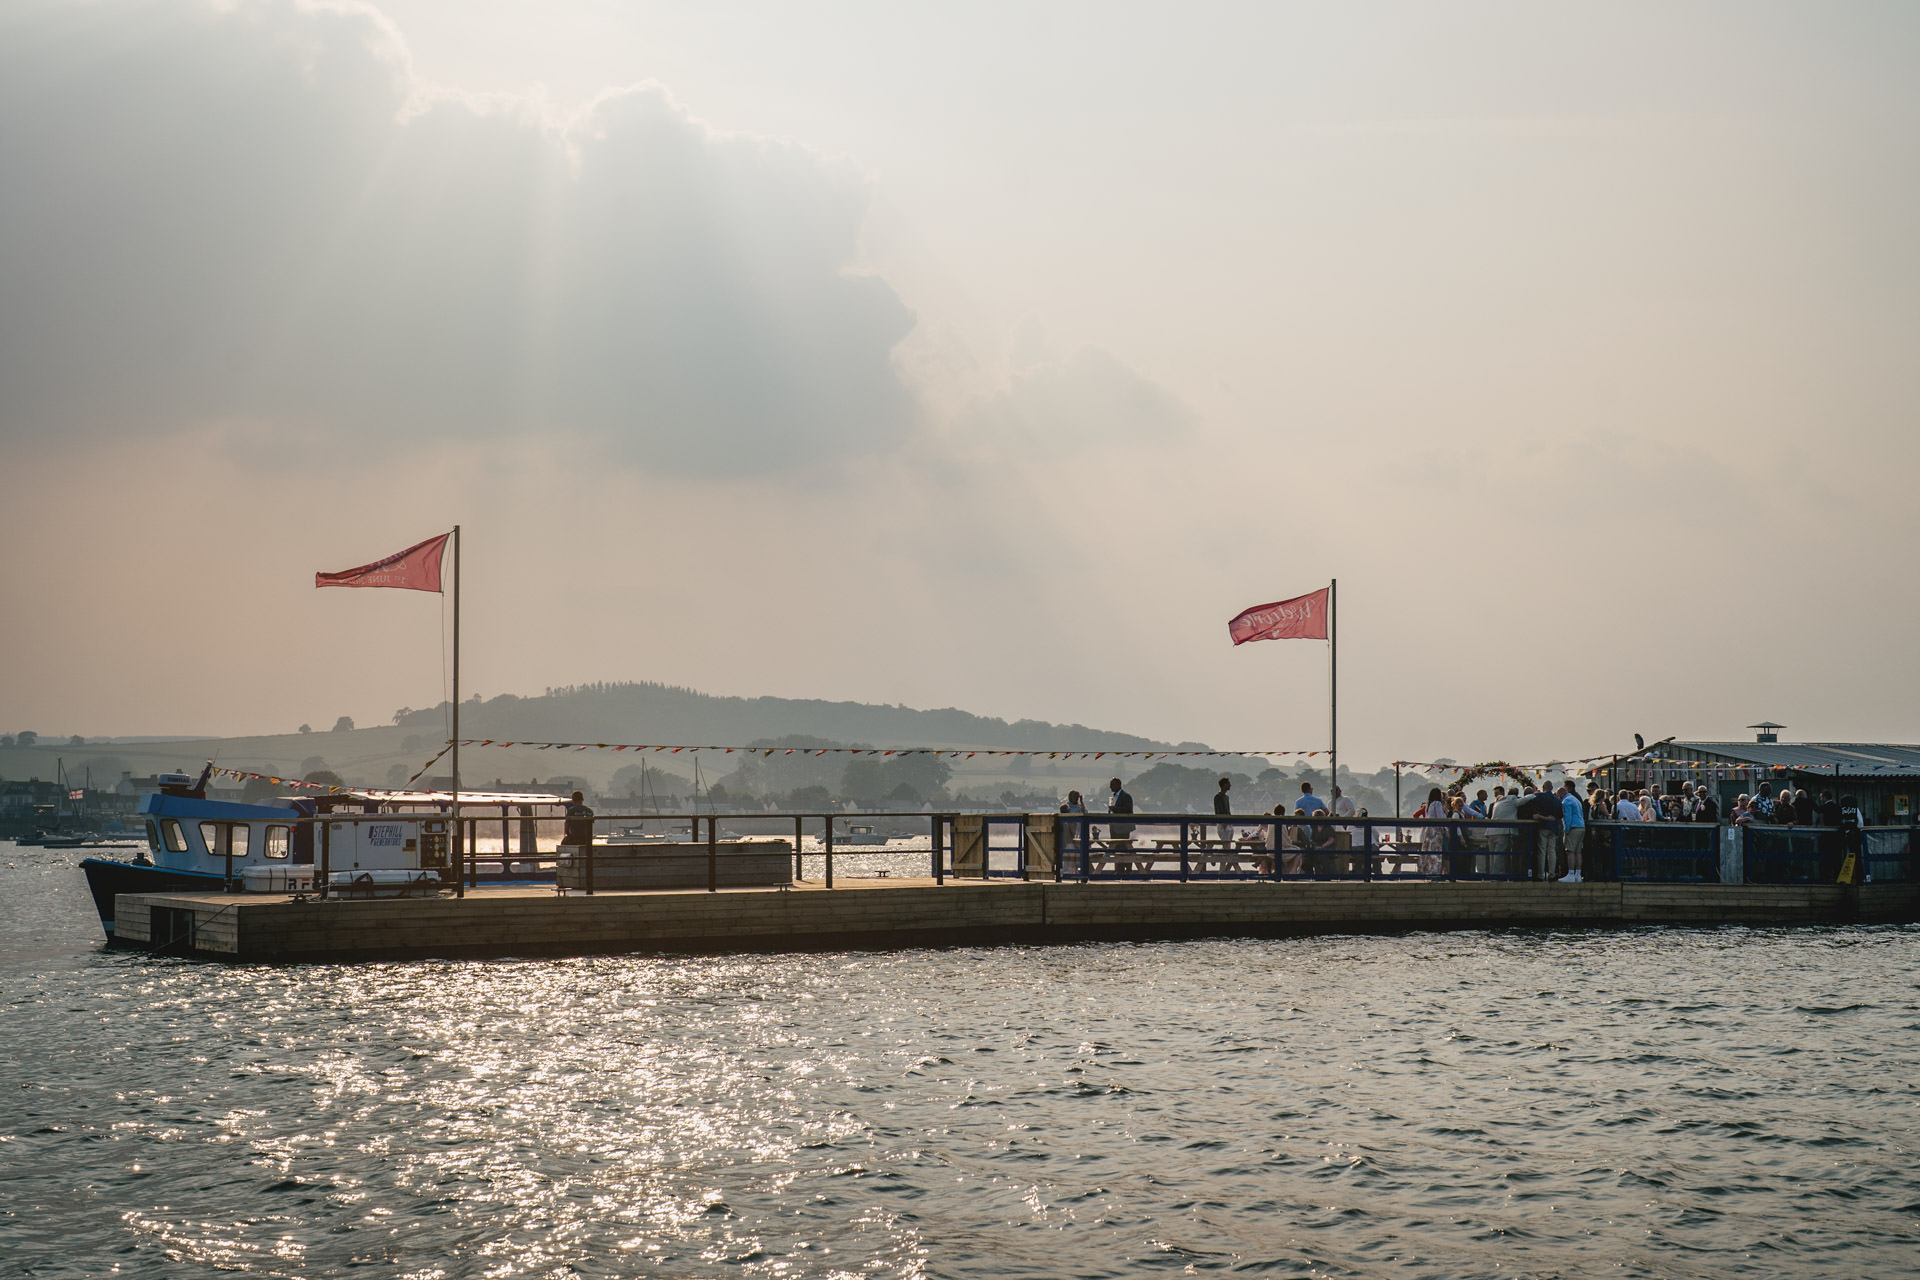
(1851, 759)
(385, 796)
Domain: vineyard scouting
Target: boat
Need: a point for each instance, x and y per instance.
(639, 835)
(861, 833)
(194, 844)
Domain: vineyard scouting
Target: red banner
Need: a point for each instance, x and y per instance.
(415, 569)
(1301, 618)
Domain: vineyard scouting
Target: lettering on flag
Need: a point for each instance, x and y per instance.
(415, 569)
(1301, 618)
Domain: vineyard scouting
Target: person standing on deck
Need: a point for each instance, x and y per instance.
(1433, 836)
(1312, 804)
(1071, 831)
(1538, 804)
(1222, 807)
(579, 821)
(1344, 807)
(1573, 815)
(1119, 802)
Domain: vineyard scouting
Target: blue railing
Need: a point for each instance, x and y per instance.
(1813, 855)
(1789, 855)
(1666, 852)
(1194, 847)
(1890, 855)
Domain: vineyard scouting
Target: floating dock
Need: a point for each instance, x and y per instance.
(900, 913)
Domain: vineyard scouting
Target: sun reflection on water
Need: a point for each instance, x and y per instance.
(1470, 1104)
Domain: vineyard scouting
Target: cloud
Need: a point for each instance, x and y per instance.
(1086, 402)
(256, 213)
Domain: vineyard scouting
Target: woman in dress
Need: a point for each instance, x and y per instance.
(1433, 839)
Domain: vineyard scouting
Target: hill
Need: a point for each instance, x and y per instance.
(639, 712)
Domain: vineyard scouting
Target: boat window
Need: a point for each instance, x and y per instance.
(176, 838)
(153, 836)
(241, 835)
(279, 842)
(210, 837)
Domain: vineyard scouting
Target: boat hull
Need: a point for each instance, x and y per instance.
(106, 877)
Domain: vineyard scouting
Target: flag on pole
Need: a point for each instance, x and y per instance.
(1301, 618)
(415, 569)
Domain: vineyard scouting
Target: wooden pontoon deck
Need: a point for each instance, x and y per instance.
(897, 913)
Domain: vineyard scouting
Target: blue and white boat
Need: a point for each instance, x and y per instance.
(194, 844)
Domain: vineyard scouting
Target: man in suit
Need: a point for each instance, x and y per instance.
(1118, 802)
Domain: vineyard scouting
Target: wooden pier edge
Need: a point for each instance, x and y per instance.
(888, 915)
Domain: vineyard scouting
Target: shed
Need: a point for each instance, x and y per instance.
(1883, 777)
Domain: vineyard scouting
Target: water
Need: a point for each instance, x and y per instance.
(1673, 1103)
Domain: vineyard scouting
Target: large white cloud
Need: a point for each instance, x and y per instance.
(253, 212)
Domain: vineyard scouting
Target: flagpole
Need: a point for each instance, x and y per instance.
(459, 861)
(1333, 690)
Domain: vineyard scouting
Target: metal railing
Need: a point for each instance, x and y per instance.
(1660, 852)
(1189, 847)
(938, 824)
(1814, 855)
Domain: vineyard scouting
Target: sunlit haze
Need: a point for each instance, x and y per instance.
(986, 355)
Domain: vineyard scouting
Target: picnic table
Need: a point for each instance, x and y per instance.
(1248, 854)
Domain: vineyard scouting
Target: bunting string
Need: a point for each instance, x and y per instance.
(950, 753)
(1593, 764)
(242, 775)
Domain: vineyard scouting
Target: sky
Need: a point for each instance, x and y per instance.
(988, 355)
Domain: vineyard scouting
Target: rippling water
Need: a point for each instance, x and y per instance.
(1654, 1103)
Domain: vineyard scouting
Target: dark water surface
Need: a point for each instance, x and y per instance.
(1653, 1103)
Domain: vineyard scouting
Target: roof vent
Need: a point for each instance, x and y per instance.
(1768, 731)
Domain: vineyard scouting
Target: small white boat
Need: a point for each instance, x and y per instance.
(860, 833)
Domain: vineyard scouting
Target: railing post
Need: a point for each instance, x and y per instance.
(713, 856)
(1086, 848)
(587, 876)
(1185, 828)
(226, 843)
(939, 863)
(326, 858)
(1366, 851)
(828, 842)
(1020, 854)
(799, 839)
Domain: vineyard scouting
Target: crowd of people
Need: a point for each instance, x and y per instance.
(1562, 815)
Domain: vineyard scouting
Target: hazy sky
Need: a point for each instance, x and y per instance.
(979, 355)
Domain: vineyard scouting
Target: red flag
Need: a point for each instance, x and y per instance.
(415, 569)
(1301, 618)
